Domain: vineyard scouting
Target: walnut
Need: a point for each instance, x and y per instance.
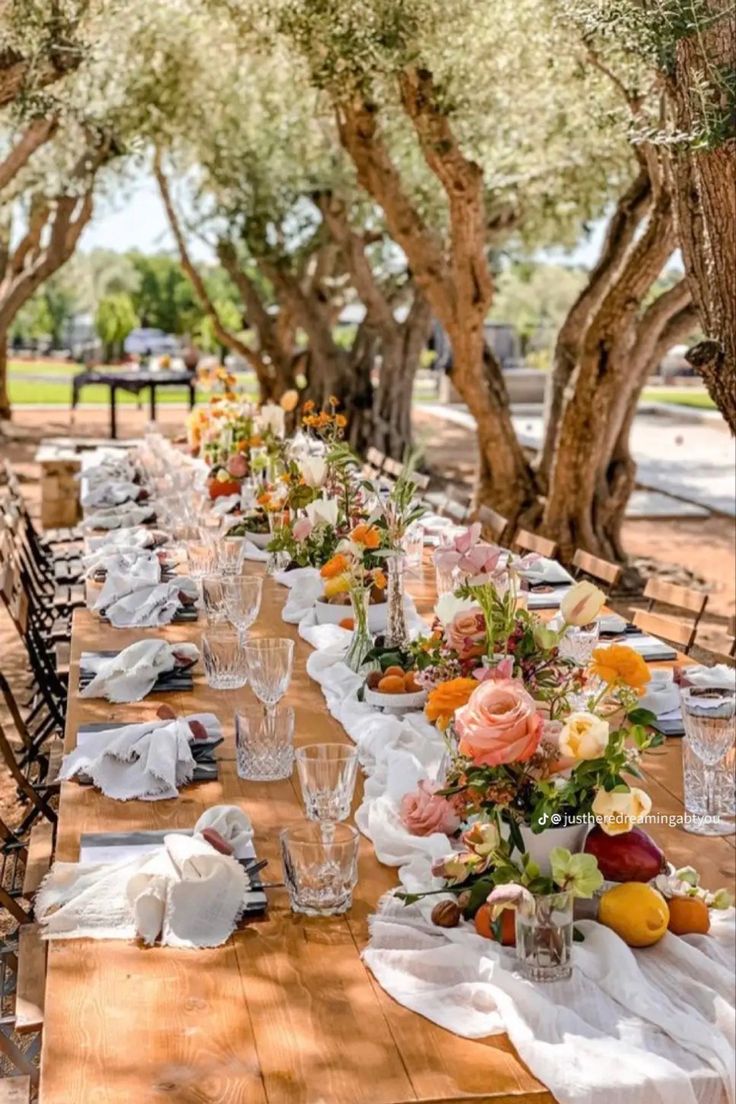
(446, 914)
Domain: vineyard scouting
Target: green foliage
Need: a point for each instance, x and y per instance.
(115, 318)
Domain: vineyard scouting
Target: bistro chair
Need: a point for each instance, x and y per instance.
(524, 541)
(673, 631)
(595, 567)
(678, 597)
(494, 524)
(420, 480)
(375, 460)
(392, 469)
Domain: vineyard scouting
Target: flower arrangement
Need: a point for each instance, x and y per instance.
(354, 575)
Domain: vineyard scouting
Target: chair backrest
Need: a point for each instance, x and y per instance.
(524, 541)
(493, 522)
(728, 656)
(375, 458)
(455, 510)
(680, 597)
(420, 480)
(672, 630)
(596, 567)
(392, 468)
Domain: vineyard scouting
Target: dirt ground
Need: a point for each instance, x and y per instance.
(698, 551)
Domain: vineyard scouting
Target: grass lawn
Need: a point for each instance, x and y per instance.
(681, 397)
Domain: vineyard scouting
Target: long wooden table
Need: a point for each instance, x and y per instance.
(285, 1012)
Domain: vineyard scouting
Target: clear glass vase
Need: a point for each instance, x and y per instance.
(397, 633)
(544, 936)
(362, 641)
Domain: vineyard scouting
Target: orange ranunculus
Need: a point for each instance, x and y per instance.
(340, 421)
(335, 566)
(446, 698)
(308, 406)
(367, 535)
(620, 664)
(264, 498)
(379, 579)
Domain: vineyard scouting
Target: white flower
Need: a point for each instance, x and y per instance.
(584, 736)
(448, 605)
(313, 470)
(323, 512)
(619, 811)
(272, 417)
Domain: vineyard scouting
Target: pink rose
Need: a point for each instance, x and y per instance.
(237, 466)
(499, 724)
(302, 528)
(504, 669)
(425, 811)
(466, 632)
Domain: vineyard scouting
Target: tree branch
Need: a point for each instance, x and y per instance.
(352, 245)
(36, 134)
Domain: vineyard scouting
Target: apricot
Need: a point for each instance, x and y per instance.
(482, 921)
(347, 623)
(391, 684)
(410, 683)
(688, 914)
(395, 670)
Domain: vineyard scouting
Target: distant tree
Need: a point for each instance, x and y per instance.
(534, 297)
(114, 320)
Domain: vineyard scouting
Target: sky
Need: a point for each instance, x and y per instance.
(133, 218)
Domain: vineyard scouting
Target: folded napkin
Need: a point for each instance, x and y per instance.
(125, 560)
(661, 695)
(183, 893)
(719, 677)
(100, 467)
(132, 673)
(129, 537)
(150, 761)
(224, 504)
(548, 572)
(252, 552)
(141, 600)
(110, 494)
(125, 515)
(305, 587)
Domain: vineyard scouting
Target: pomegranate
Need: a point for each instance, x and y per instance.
(628, 857)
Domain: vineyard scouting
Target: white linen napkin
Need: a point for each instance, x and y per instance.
(125, 515)
(148, 761)
(546, 571)
(110, 494)
(719, 677)
(136, 601)
(224, 504)
(127, 559)
(661, 695)
(128, 536)
(184, 893)
(305, 587)
(253, 552)
(132, 673)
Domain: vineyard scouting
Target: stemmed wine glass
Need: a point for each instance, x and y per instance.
(708, 719)
(242, 596)
(269, 664)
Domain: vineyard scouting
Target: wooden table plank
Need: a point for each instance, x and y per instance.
(285, 1012)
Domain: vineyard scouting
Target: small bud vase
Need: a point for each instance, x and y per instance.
(544, 936)
(362, 641)
(397, 633)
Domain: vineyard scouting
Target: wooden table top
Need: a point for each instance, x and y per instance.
(285, 1012)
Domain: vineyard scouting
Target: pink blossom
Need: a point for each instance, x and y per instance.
(471, 555)
(499, 724)
(302, 529)
(466, 632)
(502, 670)
(425, 811)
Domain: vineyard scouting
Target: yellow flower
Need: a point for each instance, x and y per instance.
(583, 736)
(289, 400)
(446, 698)
(339, 584)
(620, 664)
(619, 812)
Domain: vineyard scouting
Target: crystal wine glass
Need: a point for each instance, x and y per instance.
(269, 664)
(242, 598)
(708, 719)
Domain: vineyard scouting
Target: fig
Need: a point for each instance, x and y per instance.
(373, 680)
(165, 713)
(628, 857)
(199, 732)
(217, 841)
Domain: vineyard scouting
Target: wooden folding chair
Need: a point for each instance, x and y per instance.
(674, 596)
(494, 524)
(678, 633)
(374, 460)
(524, 541)
(604, 571)
(392, 469)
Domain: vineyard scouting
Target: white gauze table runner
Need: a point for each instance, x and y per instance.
(648, 1027)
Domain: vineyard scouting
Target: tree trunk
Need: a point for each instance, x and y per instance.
(703, 174)
(5, 410)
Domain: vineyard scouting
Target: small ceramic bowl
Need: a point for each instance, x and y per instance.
(395, 703)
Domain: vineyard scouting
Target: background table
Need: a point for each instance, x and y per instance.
(285, 1012)
(133, 381)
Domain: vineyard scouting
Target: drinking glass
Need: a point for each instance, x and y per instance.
(320, 867)
(708, 719)
(265, 752)
(200, 559)
(213, 597)
(579, 643)
(327, 774)
(269, 663)
(544, 936)
(223, 659)
(413, 544)
(242, 595)
(229, 552)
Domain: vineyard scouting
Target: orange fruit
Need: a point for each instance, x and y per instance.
(398, 671)
(410, 683)
(391, 684)
(688, 914)
(347, 623)
(482, 921)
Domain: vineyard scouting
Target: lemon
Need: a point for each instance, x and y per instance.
(636, 912)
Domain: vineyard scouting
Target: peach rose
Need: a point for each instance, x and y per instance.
(425, 811)
(466, 632)
(499, 724)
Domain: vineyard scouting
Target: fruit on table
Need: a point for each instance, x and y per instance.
(688, 914)
(628, 857)
(347, 623)
(391, 684)
(446, 914)
(484, 925)
(637, 912)
(394, 680)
